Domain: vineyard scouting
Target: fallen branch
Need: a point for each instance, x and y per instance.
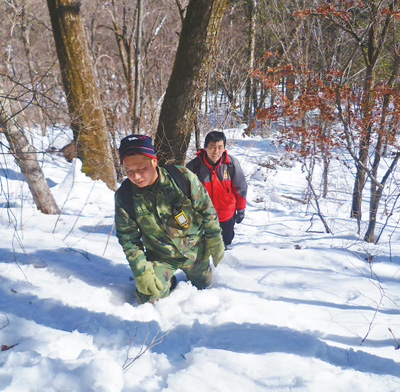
(319, 213)
(296, 199)
(145, 347)
(394, 337)
(108, 238)
(382, 293)
(4, 347)
(7, 321)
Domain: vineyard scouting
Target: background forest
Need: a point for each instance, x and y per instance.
(315, 75)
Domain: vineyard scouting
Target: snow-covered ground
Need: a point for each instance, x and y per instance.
(291, 308)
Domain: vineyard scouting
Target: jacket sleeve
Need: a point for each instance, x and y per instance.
(129, 237)
(239, 185)
(203, 205)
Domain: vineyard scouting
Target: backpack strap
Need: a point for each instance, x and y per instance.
(179, 178)
(125, 191)
(196, 165)
(231, 167)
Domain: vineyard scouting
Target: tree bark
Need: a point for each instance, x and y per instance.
(138, 72)
(377, 189)
(376, 196)
(32, 67)
(124, 42)
(26, 159)
(365, 142)
(196, 49)
(252, 15)
(377, 35)
(87, 118)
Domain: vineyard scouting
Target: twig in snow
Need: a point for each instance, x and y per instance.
(7, 321)
(4, 347)
(319, 213)
(382, 291)
(80, 212)
(390, 214)
(145, 347)
(108, 238)
(394, 337)
(83, 253)
(296, 199)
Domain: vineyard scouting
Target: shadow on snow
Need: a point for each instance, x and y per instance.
(240, 338)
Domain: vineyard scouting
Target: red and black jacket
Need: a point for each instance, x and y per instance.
(225, 183)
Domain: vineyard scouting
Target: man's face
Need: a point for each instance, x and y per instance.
(141, 170)
(215, 150)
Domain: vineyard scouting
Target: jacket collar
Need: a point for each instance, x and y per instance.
(202, 155)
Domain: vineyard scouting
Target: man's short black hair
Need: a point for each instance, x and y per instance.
(214, 136)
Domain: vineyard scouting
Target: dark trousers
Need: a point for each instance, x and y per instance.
(227, 230)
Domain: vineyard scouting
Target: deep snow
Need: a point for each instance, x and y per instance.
(291, 308)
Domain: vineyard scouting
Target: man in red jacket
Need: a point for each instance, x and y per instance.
(222, 176)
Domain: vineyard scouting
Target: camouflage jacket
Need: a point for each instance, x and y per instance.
(155, 234)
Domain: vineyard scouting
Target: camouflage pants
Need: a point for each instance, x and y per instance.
(197, 271)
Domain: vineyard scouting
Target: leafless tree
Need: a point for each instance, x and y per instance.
(22, 99)
(195, 54)
(26, 158)
(252, 17)
(87, 118)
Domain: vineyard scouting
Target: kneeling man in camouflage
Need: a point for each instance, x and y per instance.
(164, 221)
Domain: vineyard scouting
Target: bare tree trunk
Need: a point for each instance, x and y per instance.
(138, 79)
(197, 134)
(25, 30)
(376, 198)
(360, 179)
(87, 118)
(196, 50)
(26, 159)
(365, 142)
(325, 176)
(124, 42)
(375, 45)
(377, 188)
(252, 15)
